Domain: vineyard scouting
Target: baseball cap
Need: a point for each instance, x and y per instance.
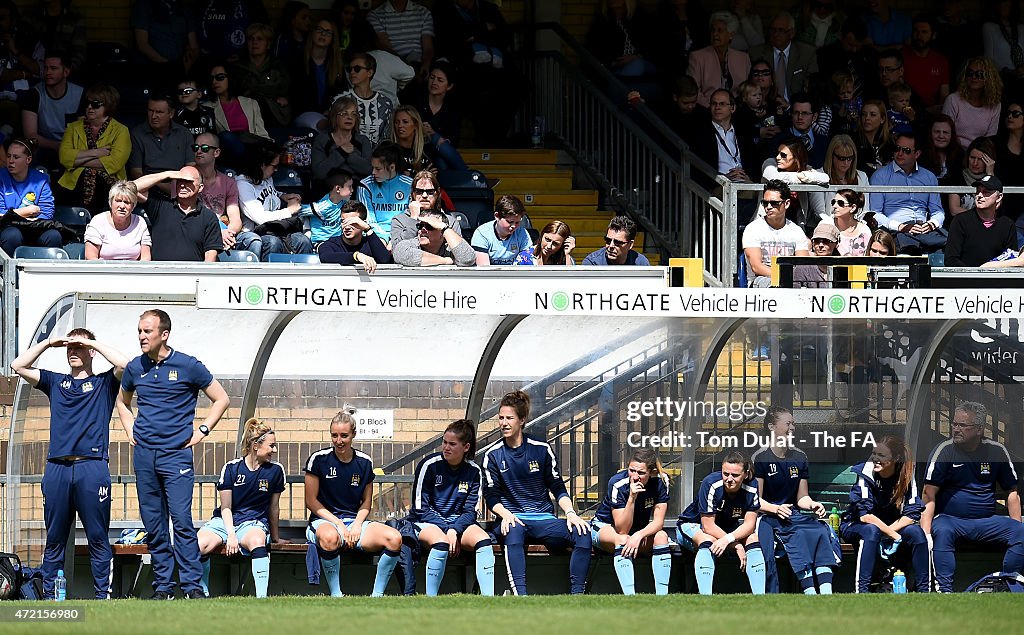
(989, 182)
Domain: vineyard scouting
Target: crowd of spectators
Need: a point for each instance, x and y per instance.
(839, 93)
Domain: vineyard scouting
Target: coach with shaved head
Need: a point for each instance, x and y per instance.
(182, 229)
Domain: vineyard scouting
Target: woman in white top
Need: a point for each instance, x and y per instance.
(854, 234)
(118, 234)
(266, 211)
(790, 167)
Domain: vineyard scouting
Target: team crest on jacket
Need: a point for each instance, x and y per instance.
(737, 512)
(986, 468)
(648, 503)
(794, 471)
(172, 375)
(87, 387)
(264, 485)
(464, 487)
(355, 480)
(534, 466)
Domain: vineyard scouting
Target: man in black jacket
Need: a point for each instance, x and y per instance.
(977, 236)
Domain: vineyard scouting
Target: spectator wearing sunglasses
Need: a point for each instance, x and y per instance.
(356, 244)
(191, 114)
(975, 106)
(618, 246)
(376, 110)
(220, 194)
(771, 235)
(436, 243)
(94, 151)
(1010, 159)
(426, 194)
(914, 217)
(854, 234)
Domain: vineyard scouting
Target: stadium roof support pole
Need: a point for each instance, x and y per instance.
(259, 367)
(16, 427)
(722, 333)
(483, 370)
(919, 395)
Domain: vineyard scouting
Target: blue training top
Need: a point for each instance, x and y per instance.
(781, 476)
(341, 484)
(873, 495)
(617, 495)
(967, 480)
(728, 509)
(445, 496)
(522, 479)
(251, 491)
(501, 252)
(79, 413)
(167, 392)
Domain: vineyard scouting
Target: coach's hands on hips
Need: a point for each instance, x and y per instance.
(197, 438)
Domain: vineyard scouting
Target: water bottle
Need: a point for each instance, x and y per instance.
(537, 135)
(899, 582)
(60, 587)
(834, 520)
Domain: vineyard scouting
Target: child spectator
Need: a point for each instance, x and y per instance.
(901, 114)
(196, 117)
(752, 118)
(325, 221)
(846, 107)
(375, 110)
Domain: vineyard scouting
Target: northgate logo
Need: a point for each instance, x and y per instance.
(255, 295)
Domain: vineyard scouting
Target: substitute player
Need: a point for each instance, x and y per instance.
(884, 512)
(77, 477)
(960, 495)
(168, 384)
(446, 490)
(521, 476)
(631, 520)
(250, 510)
(724, 515)
(339, 487)
(782, 472)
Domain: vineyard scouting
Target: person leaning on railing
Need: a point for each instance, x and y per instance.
(790, 166)
(771, 234)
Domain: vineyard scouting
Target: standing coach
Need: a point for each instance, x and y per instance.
(77, 476)
(168, 383)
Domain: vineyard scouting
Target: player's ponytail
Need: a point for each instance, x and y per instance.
(253, 433)
(465, 432)
(346, 415)
(901, 456)
(518, 401)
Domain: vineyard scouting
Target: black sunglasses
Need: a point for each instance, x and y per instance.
(608, 240)
(1013, 114)
(975, 74)
(841, 203)
(773, 204)
(187, 91)
(426, 226)
(95, 104)
(761, 73)
(905, 150)
(204, 147)
(219, 77)
(417, 191)
(843, 157)
(356, 68)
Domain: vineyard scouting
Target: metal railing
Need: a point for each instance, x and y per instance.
(642, 165)
(8, 306)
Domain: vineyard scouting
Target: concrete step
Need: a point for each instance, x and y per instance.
(487, 156)
(586, 199)
(510, 184)
(515, 171)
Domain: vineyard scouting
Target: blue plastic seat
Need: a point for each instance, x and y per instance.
(76, 251)
(41, 253)
(237, 255)
(296, 258)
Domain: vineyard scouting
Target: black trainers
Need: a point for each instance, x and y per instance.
(162, 595)
(195, 594)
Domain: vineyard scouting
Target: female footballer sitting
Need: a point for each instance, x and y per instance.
(724, 515)
(521, 476)
(339, 482)
(446, 491)
(250, 493)
(782, 475)
(631, 519)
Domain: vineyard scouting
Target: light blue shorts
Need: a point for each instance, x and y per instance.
(595, 529)
(685, 533)
(216, 525)
(312, 527)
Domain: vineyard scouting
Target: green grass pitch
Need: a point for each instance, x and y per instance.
(538, 615)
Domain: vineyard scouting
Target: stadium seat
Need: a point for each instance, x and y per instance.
(295, 258)
(226, 171)
(288, 180)
(237, 255)
(74, 218)
(534, 235)
(464, 224)
(76, 251)
(41, 253)
(462, 180)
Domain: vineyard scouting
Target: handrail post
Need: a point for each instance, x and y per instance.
(731, 234)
